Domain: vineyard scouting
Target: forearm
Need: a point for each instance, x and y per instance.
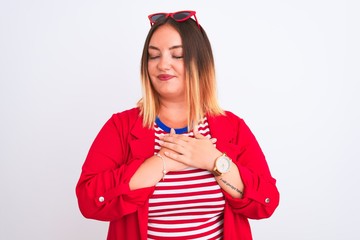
(106, 195)
(231, 182)
(148, 174)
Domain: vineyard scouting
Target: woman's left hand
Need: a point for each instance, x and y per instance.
(197, 152)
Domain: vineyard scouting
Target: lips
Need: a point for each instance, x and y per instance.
(165, 77)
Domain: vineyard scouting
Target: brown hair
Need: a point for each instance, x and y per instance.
(200, 74)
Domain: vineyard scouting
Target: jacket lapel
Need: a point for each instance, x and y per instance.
(142, 140)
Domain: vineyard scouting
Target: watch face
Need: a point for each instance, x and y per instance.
(223, 164)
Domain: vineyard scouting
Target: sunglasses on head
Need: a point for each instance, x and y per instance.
(180, 16)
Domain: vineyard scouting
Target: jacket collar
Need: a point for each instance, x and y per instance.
(142, 139)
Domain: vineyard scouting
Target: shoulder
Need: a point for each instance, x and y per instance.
(126, 118)
(127, 115)
(227, 118)
(228, 124)
(232, 116)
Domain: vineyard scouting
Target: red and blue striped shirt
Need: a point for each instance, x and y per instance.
(187, 204)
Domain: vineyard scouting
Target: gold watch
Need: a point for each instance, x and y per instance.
(222, 165)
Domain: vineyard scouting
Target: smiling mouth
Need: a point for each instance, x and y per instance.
(165, 77)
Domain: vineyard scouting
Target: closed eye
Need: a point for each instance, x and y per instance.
(154, 57)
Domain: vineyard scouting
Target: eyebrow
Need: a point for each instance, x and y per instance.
(171, 48)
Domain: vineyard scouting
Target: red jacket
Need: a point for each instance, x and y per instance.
(123, 144)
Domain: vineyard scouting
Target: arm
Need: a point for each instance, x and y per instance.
(248, 187)
(231, 182)
(200, 152)
(103, 188)
(261, 197)
(153, 170)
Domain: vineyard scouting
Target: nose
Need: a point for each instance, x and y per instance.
(164, 63)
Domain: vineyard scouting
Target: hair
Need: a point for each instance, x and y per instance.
(201, 91)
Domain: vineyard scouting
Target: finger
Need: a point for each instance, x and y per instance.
(171, 155)
(174, 142)
(213, 140)
(196, 132)
(176, 157)
(172, 131)
(175, 138)
(173, 146)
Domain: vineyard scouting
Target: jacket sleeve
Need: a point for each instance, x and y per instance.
(103, 188)
(261, 196)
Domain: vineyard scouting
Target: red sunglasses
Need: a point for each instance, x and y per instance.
(180, 16)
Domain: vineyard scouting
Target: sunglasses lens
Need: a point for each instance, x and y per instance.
(156, 17)
(182, 16)
(177, 16)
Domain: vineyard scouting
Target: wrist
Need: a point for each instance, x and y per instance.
(222, 165)
(215, 156)
(164, 171)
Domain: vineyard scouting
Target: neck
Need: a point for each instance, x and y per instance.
(173, 114)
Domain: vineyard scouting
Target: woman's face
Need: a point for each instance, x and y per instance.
(166, 64)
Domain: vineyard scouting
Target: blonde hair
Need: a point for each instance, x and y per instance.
(201, 91)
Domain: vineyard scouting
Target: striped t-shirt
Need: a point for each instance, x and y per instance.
(187, 204)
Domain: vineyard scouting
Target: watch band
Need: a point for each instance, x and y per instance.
(216, 172)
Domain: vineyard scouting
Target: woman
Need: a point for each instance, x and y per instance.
(177, 166)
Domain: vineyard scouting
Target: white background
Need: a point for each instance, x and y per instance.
(289, 68)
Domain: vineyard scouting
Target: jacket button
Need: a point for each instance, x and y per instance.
(267, 200)
(101, 199)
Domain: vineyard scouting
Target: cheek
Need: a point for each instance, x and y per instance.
(180, 68)
(152, 71)
(150, 67)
